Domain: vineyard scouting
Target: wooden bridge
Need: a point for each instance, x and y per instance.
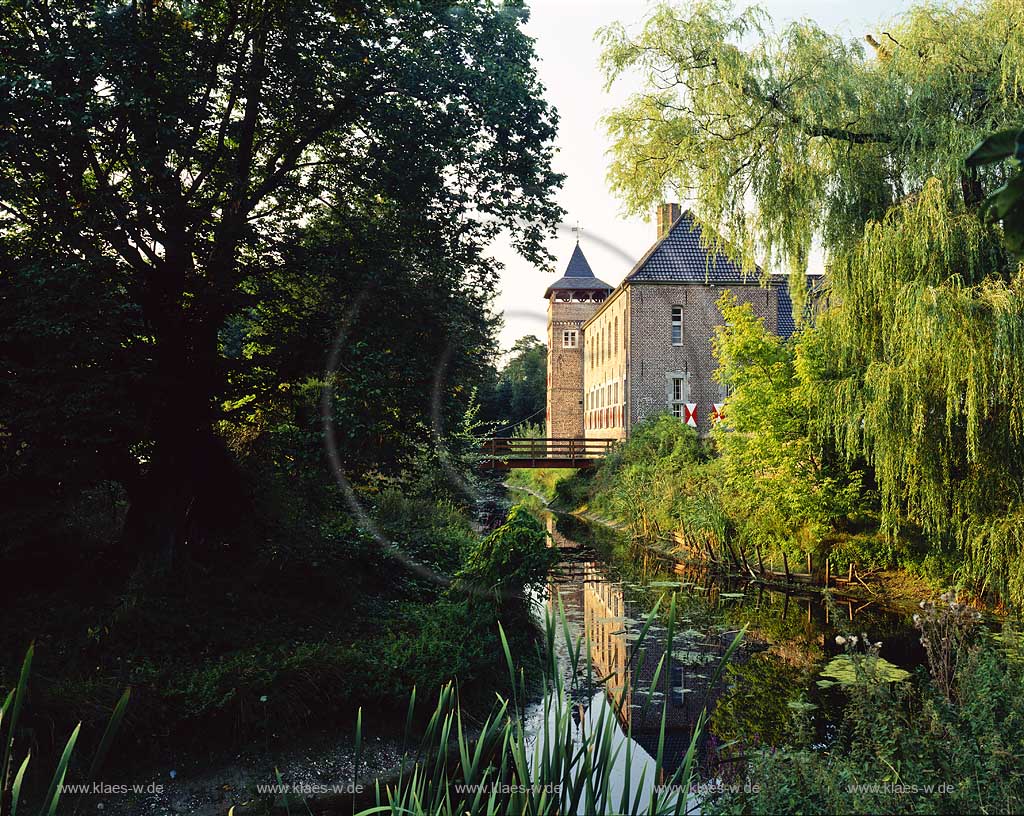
(505, 453)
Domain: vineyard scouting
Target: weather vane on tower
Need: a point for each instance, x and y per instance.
(578, 230)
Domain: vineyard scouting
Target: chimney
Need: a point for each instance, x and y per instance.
(667, 215)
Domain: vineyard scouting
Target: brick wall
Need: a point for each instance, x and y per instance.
(565, 368)
(604, 369)
(653, 359)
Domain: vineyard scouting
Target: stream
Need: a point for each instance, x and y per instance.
(607, 585)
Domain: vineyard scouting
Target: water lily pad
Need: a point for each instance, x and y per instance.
(693, 658)
(731, 595)
(842, 670)
(664, 584)
(801, 705)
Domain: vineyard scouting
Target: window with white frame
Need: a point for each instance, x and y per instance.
(570, 339)
(678, 394)
(677, 325)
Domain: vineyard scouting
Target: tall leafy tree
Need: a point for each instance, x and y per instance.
(773, 474)
(519, 391)
(798, 137)
(174, 145)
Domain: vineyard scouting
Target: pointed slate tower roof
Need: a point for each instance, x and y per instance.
(578, 276)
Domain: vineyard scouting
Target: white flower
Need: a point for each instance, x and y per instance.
(878, 644)
(840, 640)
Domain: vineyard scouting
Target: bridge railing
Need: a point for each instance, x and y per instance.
(561, 448)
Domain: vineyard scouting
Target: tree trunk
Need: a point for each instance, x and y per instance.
(188, 487)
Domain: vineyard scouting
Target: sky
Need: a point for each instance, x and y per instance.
(563, 31)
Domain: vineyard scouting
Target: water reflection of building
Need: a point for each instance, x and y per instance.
(604, 619)
(636, 688)
(790, 637)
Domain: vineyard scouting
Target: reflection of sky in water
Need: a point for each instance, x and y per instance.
(588, 717)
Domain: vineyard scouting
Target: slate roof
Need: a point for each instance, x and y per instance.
(680, 257)
(578, 275)
(786, 322)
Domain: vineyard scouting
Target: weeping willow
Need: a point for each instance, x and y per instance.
(798, 142)
(791, 137)
(918, 368)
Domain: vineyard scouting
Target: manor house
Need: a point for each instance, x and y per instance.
(617, 356)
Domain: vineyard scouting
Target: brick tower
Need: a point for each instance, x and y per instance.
(572, 299)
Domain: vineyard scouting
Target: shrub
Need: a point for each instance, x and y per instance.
(511, 558)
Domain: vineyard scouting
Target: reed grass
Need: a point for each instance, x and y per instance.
(11, 790)
(561, 769)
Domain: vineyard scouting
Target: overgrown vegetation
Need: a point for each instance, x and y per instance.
(904, 747)
(745, 490)
(16, 758)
